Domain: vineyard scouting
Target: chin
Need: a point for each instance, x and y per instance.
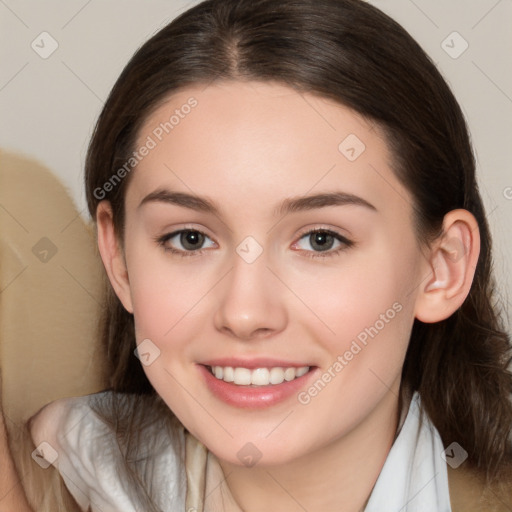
(260, 453)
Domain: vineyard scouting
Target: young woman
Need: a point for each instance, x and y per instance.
(288, 215)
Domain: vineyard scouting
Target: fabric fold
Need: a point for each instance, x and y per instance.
(195, 465)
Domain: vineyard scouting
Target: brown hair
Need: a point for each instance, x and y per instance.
(348, 51)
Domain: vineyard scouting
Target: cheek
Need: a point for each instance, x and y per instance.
(164, 296)
(166, 304)
(367, 301)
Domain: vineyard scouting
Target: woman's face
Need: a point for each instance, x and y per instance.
(265, 229)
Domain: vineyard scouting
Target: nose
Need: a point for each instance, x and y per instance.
(250, 301)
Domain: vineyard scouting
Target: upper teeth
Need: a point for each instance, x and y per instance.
(259, 376)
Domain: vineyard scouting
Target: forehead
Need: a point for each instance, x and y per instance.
(258, 142)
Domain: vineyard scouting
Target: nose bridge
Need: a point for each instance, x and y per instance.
(250, 301)
(249, 264)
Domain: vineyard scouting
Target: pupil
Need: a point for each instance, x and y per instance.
(321, 241)
(191, 239)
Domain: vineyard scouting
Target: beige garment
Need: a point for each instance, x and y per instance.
(196, 455)
(206, 485)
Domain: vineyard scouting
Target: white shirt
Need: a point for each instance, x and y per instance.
(413, 479)
(90, 463)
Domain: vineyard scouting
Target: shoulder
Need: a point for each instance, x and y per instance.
(61, 432)
(94, 437)
(105, 415)
(469, 493)
(44, 424)
(69, 434)
(468, 489)
(58, 418)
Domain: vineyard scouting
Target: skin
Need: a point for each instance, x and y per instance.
(247, 147)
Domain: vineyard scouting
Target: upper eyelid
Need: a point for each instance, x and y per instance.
(332, 231)
(172, 234)
(302, 233)
(341, 238)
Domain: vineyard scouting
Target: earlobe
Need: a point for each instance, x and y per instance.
(452, 263)
(112, 254)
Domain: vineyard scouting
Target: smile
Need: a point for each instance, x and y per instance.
(258, 376)
(257, 387)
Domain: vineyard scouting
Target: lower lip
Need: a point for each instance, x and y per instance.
(253, 397)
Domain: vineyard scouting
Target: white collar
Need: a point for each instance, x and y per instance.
(414, 477)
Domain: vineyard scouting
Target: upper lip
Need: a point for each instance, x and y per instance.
(257, 362)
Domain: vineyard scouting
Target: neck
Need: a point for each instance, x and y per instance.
(343, 471)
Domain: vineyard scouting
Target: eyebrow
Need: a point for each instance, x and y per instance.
(290, 205)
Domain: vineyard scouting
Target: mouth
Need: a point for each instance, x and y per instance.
(255, 383)
(257, 377)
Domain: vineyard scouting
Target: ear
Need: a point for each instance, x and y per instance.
(452, 262)
(112, 254)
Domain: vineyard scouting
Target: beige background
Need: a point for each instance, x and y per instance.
(48, 106)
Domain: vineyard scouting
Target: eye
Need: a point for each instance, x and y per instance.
(323, 241)
(185, 242)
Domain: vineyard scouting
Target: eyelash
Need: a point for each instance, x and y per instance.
(185, 254)
(346, 243)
